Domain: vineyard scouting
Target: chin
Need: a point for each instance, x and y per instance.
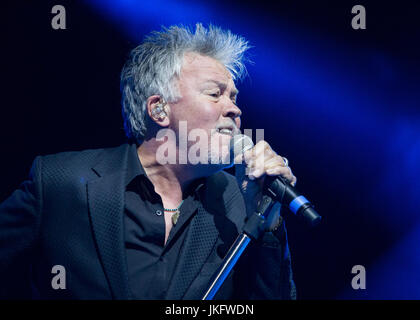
(218, 150)
(221, 158)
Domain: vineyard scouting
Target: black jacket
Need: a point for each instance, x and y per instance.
(70, 213)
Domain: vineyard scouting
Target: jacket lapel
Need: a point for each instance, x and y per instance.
(199, 242)
(106, 207)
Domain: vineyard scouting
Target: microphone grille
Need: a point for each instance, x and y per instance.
(239, 144)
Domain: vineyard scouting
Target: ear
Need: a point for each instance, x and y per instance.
(158, 110)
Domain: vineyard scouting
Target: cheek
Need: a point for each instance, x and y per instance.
(197, 111)
(203, 115)
(208, 116)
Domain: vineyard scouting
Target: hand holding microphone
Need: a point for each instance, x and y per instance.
(260, 170)
(254, 164)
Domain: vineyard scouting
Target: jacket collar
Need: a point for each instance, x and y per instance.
(106, 208)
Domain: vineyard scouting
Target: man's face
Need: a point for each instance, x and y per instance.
(208, 97)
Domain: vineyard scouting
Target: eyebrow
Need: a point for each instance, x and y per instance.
(223, 85)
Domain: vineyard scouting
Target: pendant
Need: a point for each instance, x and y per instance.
(175, 217)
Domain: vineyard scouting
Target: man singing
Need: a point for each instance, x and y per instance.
(125, 223)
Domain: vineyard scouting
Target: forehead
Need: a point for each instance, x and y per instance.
(204, 68)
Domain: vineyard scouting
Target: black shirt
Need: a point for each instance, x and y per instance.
(150, 262)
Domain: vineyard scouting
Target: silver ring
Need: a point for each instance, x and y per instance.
(286, 162)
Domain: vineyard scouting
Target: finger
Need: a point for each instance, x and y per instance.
(248, 155)
(259, 158)
(274, 162)
(262, 157)
(262, 148)
(239, 159)
(284, 172)
(259, 169)
(261, 165)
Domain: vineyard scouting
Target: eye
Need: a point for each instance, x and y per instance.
(215, 94)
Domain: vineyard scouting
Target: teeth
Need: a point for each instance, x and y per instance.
(225, 131)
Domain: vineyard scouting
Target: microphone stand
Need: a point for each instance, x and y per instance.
(252, 230)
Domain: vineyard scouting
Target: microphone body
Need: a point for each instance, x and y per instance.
(279, 188)
(283, 192)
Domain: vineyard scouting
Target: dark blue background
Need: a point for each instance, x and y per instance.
(341, 104)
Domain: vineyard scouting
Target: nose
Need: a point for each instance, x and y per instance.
(232, 111)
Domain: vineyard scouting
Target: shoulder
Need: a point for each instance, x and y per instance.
(79, 163)
(83, 158)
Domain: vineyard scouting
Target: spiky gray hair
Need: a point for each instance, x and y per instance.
(153, 66)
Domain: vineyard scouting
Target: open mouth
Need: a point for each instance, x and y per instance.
(227, 131)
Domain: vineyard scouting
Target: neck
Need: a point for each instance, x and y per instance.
(169, 180)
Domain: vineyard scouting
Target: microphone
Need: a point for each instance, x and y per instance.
(279, 188)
